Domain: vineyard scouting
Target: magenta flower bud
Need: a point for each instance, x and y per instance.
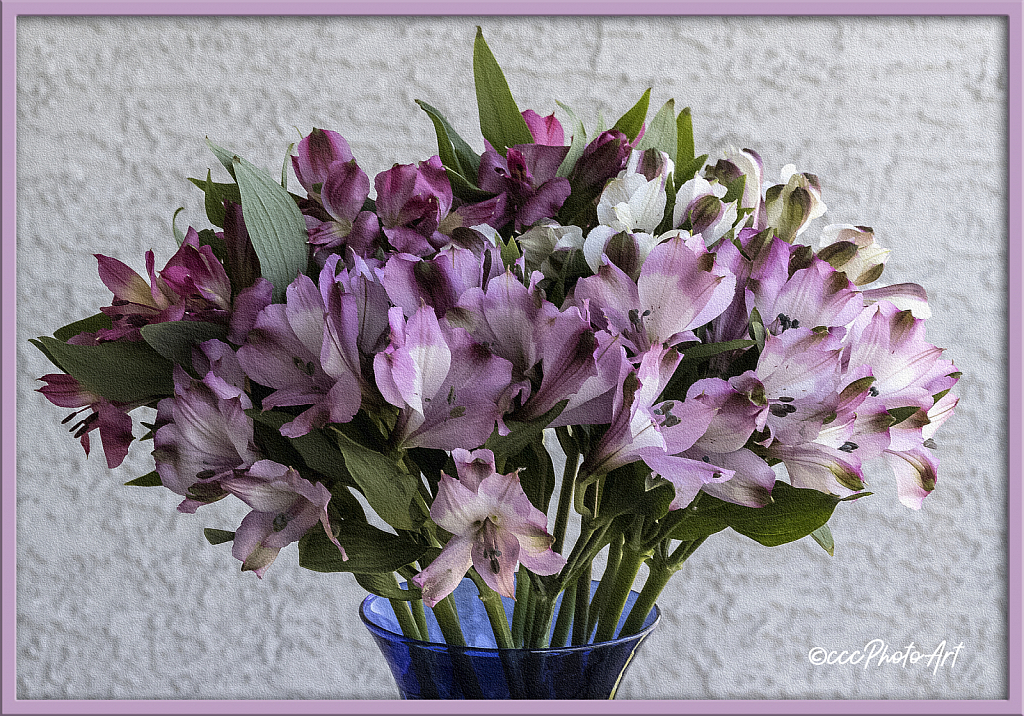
(411, 202)
(317, 153)
(545, 130)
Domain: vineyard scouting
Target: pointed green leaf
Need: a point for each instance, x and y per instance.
(823, 536)
(703, 351)
(179, 235)
(150, 479)
(576, 147)
(315, 449)
(466, 190)
(369, 550)
(684, 138)
(661, 135)
(275, 225)
(213, 203)
(793, 513)
(222, 192)
(500, 121)
(225, 157)
(453, 150)
(122, 371)
(384, 585)
(631, 122)
(689, 170)
(286, 165)
(174, 340)
(521, 433)
(218, 536)
(385, 485)
(735, 190)
(99, 322)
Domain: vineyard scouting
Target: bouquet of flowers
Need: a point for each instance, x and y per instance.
(417, 349)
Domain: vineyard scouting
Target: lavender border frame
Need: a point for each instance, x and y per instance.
(8, 247)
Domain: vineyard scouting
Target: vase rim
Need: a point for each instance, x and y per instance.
(381, 631)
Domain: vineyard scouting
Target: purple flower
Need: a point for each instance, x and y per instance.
(306, 350)
(680, 288)
(494, 528)
(192, 286)
(448, 386)
(316, 153)
(526, 178)
(109, 417)
(551, 351)
(412, 281)
(545, 130)
(284, 507)
(412, 200)
(203, 437)
(601, 160)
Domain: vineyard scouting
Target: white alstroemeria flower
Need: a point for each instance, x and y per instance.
(862, 263)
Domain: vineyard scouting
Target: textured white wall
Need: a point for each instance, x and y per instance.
(904, 120)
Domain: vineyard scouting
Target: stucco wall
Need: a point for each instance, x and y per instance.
(904, 120)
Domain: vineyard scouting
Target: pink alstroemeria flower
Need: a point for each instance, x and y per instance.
(284, 507)
(110, 418)
(494, 529)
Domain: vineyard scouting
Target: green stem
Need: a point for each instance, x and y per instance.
(683, 551)
(656, 581)
(495, 611)
(629, 566)
(572, 459)
(541, 621)
(420, 617)
(531, 609)
(607, 581)
(448, 620)
(405, 619)
(579, 622)
(521, 607)
(566, 612)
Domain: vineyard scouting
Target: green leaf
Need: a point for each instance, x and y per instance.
(702, 519)
(150, 479)
(222, 192)
(466, 190)
(521, 434)
(315, 449)
(179, 235)
(823, 536)
(99, 322)
(214, 204)
(703, 351)
(384, 585)
(625, 491)
(369, 550)
(218, 536)
(122, 371)
(389, 489)
(275, 225)
(453, 150)
(174, 340)
(536, 473)
(735, 190)
(226, 158)
(661, 135)
(287, 163)
(631, 122)
(793, 513)
(689, 170)
(500, 120)
(899, 415)
(510, 252)
(576, 147)
(684, 138)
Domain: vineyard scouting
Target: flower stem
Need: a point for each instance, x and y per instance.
(405, 619)
(566, 612)
(521, 607)
(572, 459)
(656, 581)
(448, 620)
(420, 617)
(495, 611)
(579, 622)
(543, 605)
(607, 580)
(629, 566)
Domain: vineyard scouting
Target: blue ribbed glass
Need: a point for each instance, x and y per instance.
(428, 670)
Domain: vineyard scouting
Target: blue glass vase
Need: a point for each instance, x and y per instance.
(434, 670)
